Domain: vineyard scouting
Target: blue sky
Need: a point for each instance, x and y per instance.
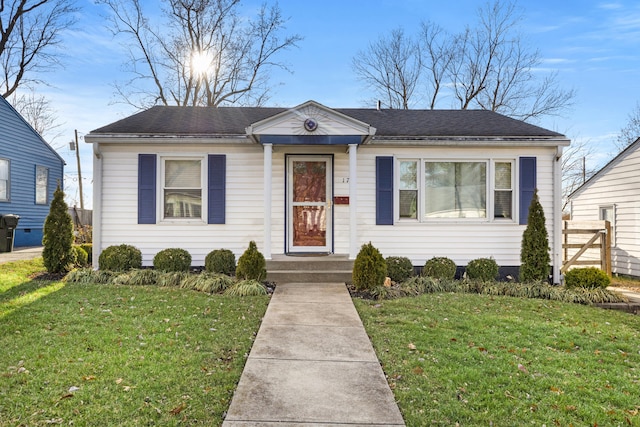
(594, 46)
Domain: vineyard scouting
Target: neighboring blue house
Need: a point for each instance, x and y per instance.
(30, 170)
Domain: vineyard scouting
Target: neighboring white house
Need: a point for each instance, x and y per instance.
(416, 183)
(613, 194)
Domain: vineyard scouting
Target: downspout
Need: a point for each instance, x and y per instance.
(97, 205)
(557, 216)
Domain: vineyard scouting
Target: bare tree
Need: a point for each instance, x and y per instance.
(391, 68)
(437, 53)
(29, 33)
(201, 53)
(486, 66)
(575, 170)
(631, 131)
(38, 112)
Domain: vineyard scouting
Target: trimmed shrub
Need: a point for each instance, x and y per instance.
(88, 248)
(221, 261)
(58, 254)
(81, 256)
(534, 252)
(484, 269)
(589, 277)
(120, 258)
(369, 268)
(172, 259)
(399, 268)
(439, 268)
(251, 264)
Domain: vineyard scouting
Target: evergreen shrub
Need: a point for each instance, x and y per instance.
(172, 259)
(399, 268)
(369, 268)
(221, 261)
(120, 258)
(58, 254)
(81, 256)
(484, 269)
(534, 252)
(439, 268)
(589, 277)
(251, 264)
(88, 248)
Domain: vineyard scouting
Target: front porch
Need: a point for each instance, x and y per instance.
(309, 268)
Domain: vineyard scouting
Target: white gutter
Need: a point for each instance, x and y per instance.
(97, 205)
(556, 248)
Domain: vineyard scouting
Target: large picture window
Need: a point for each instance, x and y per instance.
(431, 190)
(182, 188)
(42, 182)
(4, 180)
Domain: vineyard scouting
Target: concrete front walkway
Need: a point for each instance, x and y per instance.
(312, 364)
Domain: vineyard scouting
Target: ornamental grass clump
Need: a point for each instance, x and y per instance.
(399, 268)
(484, 269)
(120, 258)
(172, 259)
(439, 268)
(251, 264)
(221, 261)
(369, 268)
(246, 288)
(207, 282)
(589, 277)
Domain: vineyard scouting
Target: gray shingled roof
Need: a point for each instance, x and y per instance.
(391, 123)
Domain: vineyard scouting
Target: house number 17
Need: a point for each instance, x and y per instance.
(345, 180)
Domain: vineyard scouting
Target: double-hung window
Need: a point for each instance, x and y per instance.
(42, 182)
(431, 190)
(182, 188)
(4, 180)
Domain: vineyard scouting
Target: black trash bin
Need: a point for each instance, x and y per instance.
(8, 224)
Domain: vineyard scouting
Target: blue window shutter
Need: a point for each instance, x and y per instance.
(527, 186)
(146, 188)
(384, 190)
(217, 188)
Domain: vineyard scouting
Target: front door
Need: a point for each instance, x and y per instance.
(309, 202)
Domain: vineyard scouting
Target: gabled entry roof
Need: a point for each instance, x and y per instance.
(384, 124)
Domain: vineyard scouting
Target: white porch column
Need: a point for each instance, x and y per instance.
(557, 216)
(353, 201)
(268, 150)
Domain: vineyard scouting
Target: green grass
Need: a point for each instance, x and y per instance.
(87, 354)
(480, 360)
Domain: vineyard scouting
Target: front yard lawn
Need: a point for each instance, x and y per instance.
(118, 355)
(471, 360)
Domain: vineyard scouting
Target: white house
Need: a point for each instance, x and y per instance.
(613, 194)
(312, 179)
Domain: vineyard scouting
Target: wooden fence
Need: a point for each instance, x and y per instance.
(81, 217)
(586, 243)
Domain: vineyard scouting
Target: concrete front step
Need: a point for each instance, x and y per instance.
(314, 269)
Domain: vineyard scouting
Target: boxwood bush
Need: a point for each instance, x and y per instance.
(221, 261)
(484, 269)
(120, 258)
(81, 256)
(399, 268)
(589, 277)
(439, 268)
(172, 259)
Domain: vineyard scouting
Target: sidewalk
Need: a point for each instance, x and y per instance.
(19, 254)
(312, 364)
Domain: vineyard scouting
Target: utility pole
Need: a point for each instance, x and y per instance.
(77, 148)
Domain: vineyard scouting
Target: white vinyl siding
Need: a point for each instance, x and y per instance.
(616, 186)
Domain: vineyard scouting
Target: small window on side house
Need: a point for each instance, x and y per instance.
(408, 191)
(503, 191)
(42, 183)
(4, 180)
(608, 213)
(182, 189)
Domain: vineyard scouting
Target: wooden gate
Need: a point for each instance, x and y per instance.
(586, 243)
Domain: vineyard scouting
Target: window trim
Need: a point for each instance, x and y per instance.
(8, 198)
(46, 185)
(161, 189)
(490, 189)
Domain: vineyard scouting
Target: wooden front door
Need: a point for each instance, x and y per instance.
(309, 203)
